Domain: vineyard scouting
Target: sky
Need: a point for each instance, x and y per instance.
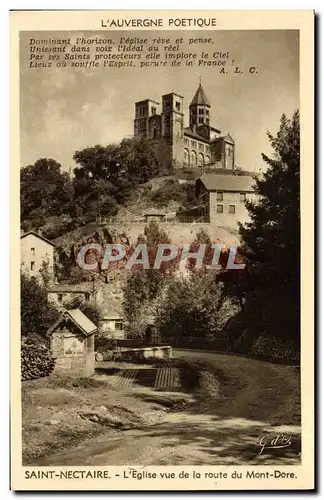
(63, 110)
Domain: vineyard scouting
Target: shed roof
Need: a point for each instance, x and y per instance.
(221, 182)
(81, 321)
(37, 236)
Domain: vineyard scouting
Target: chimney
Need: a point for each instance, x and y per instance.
(39, 232)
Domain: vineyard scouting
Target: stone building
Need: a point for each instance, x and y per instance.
(196, 145)
(72, 344)
(62, 293)
(221, 198)
(35, 250)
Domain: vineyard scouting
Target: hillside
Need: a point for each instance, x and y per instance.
(164, 195)
(179, 232)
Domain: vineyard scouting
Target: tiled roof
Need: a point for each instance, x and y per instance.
(221, 182)
(200, 97)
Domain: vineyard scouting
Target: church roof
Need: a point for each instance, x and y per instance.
(191, 133)
(227, 138)
(231, 183)
(200, 97)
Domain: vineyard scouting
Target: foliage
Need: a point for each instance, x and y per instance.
(172, 190)
(202, 236)
(155, 235)
(45, 272)
(90, 310)
(274, 349)
(105, 177)
(36, 312)
(44, 190)
(103, 344)
(36, 358)
(192, 307)
(144, 286)
(62, 263)
(200, 374)
(55, 226)
(268, 290)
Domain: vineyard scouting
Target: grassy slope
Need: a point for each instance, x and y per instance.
(254, 389)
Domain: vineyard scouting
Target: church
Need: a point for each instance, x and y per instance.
(197, 145)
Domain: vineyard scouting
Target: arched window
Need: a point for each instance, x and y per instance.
(186, 157)
(200, 160)
(193, 162)
(207, 159)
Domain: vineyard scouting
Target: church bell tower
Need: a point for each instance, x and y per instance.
(199, 110)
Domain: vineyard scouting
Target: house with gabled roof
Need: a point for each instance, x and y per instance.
(221, 198)
(35, 250)
(72, 343)
(64, 293)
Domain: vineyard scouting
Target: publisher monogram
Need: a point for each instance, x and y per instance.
(274, 441)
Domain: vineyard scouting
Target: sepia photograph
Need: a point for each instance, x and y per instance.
(160, 251)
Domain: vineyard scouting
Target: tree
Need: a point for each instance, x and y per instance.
(144, 286)
(192, 307)
(139, 159)
(269, 288)
(44, 190)
(172, 191)
(62, 263)
(46, 272)
(37, 314)
(106, 176)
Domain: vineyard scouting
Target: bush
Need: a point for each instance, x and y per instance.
(103, 344)
(274, 349)
(173, 191)
(37, 314)
(36, 358)
(199, 374)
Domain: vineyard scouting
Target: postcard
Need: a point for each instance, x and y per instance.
(162, 264)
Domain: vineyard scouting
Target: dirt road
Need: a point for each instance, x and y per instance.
(259, 401)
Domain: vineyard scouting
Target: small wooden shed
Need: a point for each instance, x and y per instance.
(72, 344)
